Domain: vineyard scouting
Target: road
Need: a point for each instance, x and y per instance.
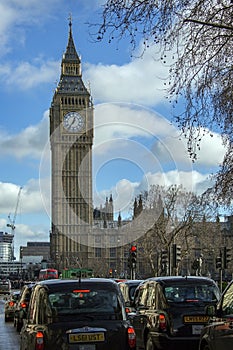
(9, 338)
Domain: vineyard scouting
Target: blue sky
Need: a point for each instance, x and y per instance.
(135, 143)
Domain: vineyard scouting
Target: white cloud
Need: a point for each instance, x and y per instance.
(16, 13)
(210, 154)
(25, 75)
(31, 210)
(125, 191)
(212, 150)
(30, 200)
(139, 81)
(7, 17)
(131, 131)
(123, 194)
(191, 181)
(28, 143)
(125, 120)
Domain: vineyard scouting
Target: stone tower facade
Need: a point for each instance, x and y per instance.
(71, 139)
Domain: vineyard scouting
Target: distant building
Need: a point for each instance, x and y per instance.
(103, 216)
(6, 240)
(35, 251)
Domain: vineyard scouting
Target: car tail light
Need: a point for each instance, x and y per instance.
(39, 341)
(162, 322)
(23, 304)
(11, 303)
(131, 337)
(127, 310)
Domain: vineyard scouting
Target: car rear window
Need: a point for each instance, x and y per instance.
(132, 291)
(191, 293)
(4, 284)
(86, 300)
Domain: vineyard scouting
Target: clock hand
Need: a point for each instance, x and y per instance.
(73, 121)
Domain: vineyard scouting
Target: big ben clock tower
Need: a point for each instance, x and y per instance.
(71, 139)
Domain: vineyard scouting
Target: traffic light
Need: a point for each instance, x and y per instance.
(196, 264)
(164, 257)
(176, 255)
(133, 255)
(164, 262)
(226, 257)
(218, 262)
(21, 252)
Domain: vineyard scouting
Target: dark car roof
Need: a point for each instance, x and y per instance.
(28, 286)
(181, 279)
(131, 282)
(15, 292)
(60, 284)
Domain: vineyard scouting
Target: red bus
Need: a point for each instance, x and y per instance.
(48, 274)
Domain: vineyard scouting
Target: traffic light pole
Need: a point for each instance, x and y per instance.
(220, 279)
(133, 272)
(219, 266)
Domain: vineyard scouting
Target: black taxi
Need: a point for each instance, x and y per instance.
(171, 311)
(218, 334)
(128, 288)
(85, 314)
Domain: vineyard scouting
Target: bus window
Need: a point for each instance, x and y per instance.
(47, 274)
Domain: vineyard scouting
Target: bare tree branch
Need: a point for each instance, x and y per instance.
(198, 36)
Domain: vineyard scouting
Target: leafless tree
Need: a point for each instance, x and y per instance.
(198, 35)
(180, 213)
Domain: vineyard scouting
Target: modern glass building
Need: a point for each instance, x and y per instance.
(6, 246)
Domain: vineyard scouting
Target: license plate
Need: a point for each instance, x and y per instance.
(87, 347)
(86, 338)
(197, 328)
(196, 319)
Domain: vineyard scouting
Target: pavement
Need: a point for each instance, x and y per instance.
(9, 338)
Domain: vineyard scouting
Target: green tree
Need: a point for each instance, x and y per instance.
(198, 35)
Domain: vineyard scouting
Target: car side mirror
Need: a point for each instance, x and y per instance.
(210, 310)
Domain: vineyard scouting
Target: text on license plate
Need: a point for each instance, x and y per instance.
(86, 337)
(196, 319)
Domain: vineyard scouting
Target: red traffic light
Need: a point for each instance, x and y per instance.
(133, 248)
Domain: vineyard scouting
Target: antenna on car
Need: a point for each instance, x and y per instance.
(79, 275)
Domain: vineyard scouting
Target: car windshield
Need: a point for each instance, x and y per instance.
(191, 293)
(87, 301)
(132, 291)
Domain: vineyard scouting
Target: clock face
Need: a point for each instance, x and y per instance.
(73, 122)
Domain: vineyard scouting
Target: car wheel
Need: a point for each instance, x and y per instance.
(206, 347)
(149, 343)
(6, 318)
(18, 326)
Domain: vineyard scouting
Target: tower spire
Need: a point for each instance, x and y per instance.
(70, 20)
(71, 53)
